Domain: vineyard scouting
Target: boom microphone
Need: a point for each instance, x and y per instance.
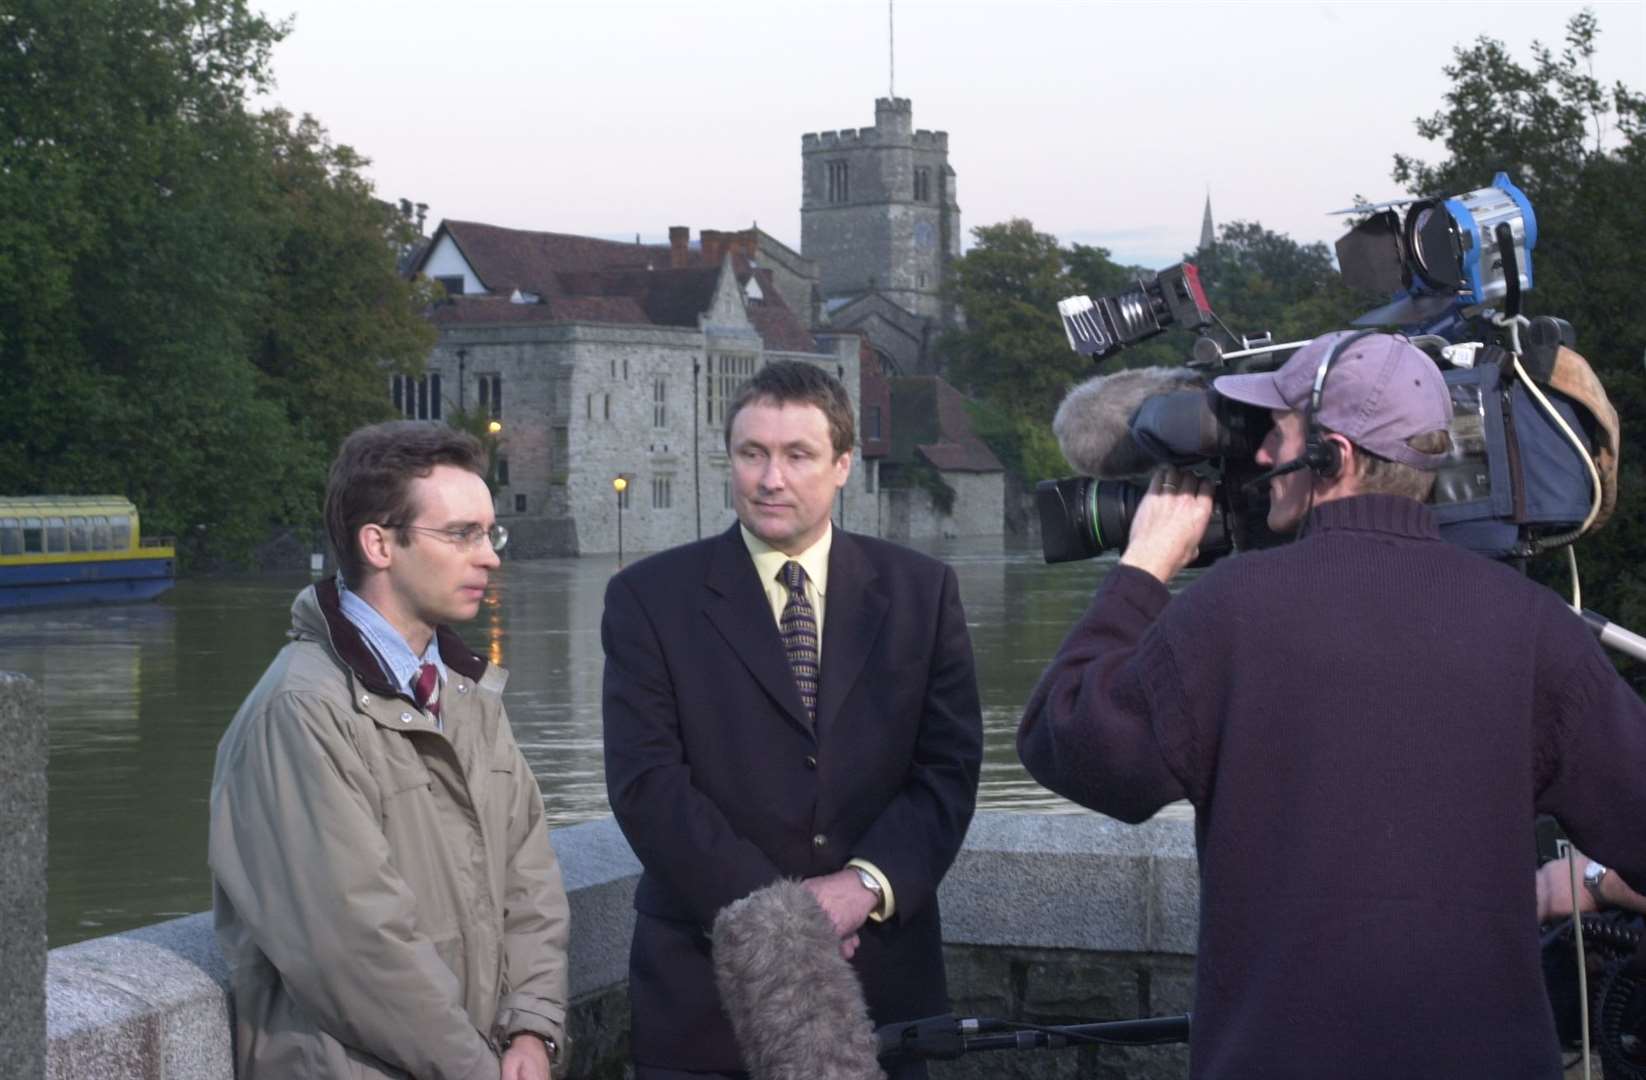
(794, 1002)
(1093, 424)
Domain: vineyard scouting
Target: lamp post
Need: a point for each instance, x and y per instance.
(618, 485)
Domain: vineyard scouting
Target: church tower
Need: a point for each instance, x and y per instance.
(878, 210)
(1208, 235)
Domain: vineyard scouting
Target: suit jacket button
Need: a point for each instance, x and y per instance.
(820, 841)
(811, 761)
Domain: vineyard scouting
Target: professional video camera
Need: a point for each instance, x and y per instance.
(1534, 439)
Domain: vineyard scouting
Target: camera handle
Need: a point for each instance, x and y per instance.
(948, 1036)
(1614, 636)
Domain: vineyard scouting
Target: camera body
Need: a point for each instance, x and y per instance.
(1530, 420)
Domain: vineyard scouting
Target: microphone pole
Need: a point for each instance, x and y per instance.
(947, 1037)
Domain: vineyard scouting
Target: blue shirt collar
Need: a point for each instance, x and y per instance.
(400, 664)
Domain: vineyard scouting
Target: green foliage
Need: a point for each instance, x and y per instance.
(924, 476)
(1012, 352)
(1258, 280)
(196, 302)
(1024, 444)
(1578, 150)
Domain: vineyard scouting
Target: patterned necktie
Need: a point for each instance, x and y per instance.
(799, 627)
(426, 690)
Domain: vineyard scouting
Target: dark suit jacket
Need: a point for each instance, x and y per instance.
(721, 785)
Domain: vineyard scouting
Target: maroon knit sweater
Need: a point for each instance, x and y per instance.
(1366, 721)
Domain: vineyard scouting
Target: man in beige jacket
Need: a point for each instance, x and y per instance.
(385, 891)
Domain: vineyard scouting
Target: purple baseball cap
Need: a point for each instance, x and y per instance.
(1379, 392)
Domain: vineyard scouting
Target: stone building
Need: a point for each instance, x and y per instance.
(603, 359)
(878, 216)
(937, 479)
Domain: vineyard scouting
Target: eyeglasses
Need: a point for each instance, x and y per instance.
(468, 536)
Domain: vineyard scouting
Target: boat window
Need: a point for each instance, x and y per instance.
(11, 537)
(121, 531)
(79, 534)
(34, 536)
(57, 534)
(99, 533)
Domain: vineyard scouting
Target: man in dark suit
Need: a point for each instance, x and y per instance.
(786, 700)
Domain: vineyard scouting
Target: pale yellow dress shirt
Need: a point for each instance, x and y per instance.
(768, 563)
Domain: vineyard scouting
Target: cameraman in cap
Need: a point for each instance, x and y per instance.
(1366, 721)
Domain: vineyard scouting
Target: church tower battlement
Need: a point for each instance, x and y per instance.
(878, 209)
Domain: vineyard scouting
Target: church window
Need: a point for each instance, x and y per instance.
(660, 403)
(871, 421)
(502, 472)
(838, 191)
(520, 504)
(662, 492)
(416, 397)
(922, 185)
(726, 491)
(868, 476)
(921, 279)
(491, 396)
(724, 374)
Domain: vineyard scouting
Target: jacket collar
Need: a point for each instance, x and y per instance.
(318, 613)
(738, 608)
(857, 606)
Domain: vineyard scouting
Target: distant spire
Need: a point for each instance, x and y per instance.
(1208, 235)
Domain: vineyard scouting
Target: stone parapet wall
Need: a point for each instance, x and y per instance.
(1046, 917)
(22, 875)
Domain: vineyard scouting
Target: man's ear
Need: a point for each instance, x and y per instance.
(1350, 459)
(376, 545)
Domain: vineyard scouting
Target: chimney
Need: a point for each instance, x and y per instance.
(713, 242)
(679, 236)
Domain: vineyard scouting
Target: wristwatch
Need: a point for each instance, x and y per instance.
(871, 883)
(548, 1041)
(1593, 875)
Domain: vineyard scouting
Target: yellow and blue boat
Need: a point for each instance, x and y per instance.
(78, 549)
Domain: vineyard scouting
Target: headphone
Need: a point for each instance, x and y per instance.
(1320, 455)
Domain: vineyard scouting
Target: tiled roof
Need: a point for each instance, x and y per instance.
(506, 259)
(929, 420)
(583, 279)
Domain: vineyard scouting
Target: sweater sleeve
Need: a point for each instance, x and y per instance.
(1091, 730)
(1593, 768)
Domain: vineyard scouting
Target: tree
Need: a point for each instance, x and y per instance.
(1578, 151)
(336, 318)
(1258, 280)
(196, 301)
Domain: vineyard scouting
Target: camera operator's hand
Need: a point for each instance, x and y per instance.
(1169, 523)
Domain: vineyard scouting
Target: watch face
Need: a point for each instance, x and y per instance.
(925, 237)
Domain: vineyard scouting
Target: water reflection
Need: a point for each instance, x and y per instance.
(138, 696)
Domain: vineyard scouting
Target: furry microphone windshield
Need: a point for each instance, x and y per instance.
(795, 1004)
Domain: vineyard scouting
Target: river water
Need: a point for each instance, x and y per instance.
(138, 696)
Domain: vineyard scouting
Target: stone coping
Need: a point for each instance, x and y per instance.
(153, 1003)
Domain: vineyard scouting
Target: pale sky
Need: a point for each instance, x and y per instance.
(1104, 123)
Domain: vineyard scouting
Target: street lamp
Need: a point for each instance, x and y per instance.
(494, 427)
(619, 485)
